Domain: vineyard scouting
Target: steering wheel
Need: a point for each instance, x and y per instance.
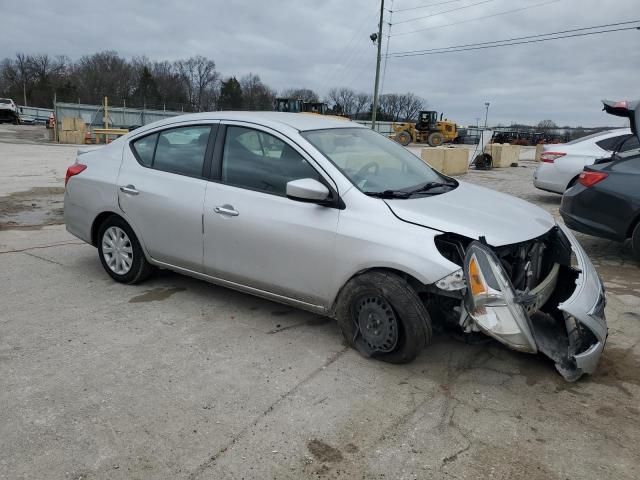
(364, 169)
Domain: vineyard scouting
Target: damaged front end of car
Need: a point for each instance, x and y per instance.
(543, 295)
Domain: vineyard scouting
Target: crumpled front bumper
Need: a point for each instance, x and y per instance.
(562, 318)
(584, 309)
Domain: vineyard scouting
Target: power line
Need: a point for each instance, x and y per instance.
(477, 18)
(499, 43)
(346, 55)
(445, 11)
(523, 38)
(433, 4)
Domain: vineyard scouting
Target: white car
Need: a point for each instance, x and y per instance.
(8, 111)
(561, 164)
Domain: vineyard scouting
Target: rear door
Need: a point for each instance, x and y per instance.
(161, 189)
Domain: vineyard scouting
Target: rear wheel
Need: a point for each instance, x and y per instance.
(435, 139)
(635, 241)
(404, 138)
(382, 316)
(120, 252)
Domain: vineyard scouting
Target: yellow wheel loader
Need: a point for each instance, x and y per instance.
(428, 129)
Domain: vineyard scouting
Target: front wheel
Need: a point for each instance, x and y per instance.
(435, 139)
(404, 138)
(382, 316)
(120, 252)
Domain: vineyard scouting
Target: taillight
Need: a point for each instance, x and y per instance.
(73, 170)
(550, 157)
(589, 179)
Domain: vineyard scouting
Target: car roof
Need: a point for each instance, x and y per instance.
(297, 121)
(594, 137)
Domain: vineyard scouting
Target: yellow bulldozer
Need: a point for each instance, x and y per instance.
(428, 129)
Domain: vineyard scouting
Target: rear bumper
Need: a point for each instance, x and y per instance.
(545, 177)
(576, 217)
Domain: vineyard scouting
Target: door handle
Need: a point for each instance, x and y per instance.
(130, 189)
(226, 210)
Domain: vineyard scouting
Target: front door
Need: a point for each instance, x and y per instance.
(161, 190)
(254, 234)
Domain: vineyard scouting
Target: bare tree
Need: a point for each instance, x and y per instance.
(343, 100)
(18, 75)
(255, 94)
(199, 78)
(390, 106)
(170, 89)
(362, 104)
(547, 125)
(103, 74)
(410, 106)
(304, 94)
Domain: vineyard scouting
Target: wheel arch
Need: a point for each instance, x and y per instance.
(415, 283)
(100, 219)
(632, 225)
(572, 182)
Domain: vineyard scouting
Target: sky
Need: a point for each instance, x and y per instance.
(323, 44)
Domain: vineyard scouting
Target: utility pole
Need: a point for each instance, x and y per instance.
(375, 89)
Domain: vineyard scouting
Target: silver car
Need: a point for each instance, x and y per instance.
(561, 164)
(328, 216)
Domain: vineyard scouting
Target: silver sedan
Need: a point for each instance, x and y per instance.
(328, 216)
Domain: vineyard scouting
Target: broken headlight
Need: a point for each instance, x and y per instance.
(491, 300)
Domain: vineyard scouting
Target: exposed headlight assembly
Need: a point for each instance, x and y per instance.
(491, 300)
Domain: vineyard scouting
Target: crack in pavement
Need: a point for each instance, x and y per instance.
(42, 258)
(213, 458)
(20, 250)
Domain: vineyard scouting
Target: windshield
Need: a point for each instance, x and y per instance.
(372, 162)
(5, 101)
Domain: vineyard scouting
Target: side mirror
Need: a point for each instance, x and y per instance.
(307, 190)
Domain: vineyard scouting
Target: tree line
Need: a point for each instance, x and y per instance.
(192, 84)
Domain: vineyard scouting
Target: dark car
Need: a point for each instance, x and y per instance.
(605, 202)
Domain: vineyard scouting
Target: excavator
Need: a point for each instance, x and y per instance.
(296, 105)
(428, 129)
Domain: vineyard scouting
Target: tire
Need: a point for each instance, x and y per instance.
(115, 233)
(399, 304)
(435, 139)
(635, 241)
(403, 138)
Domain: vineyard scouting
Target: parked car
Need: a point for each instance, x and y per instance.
(329, 216)
(606, 200)
(561, 164)
(9, 111)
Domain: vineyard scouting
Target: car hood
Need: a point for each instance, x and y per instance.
(474, 211)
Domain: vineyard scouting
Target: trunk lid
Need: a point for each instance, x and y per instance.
(630, 110)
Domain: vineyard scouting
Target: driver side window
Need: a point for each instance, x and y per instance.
(259, 161)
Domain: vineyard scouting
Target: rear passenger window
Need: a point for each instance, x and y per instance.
(144, 149)
(178, 150)
(630, 143)
(181, 150)
(610, 144)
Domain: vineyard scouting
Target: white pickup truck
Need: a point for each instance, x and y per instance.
(9, 111)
